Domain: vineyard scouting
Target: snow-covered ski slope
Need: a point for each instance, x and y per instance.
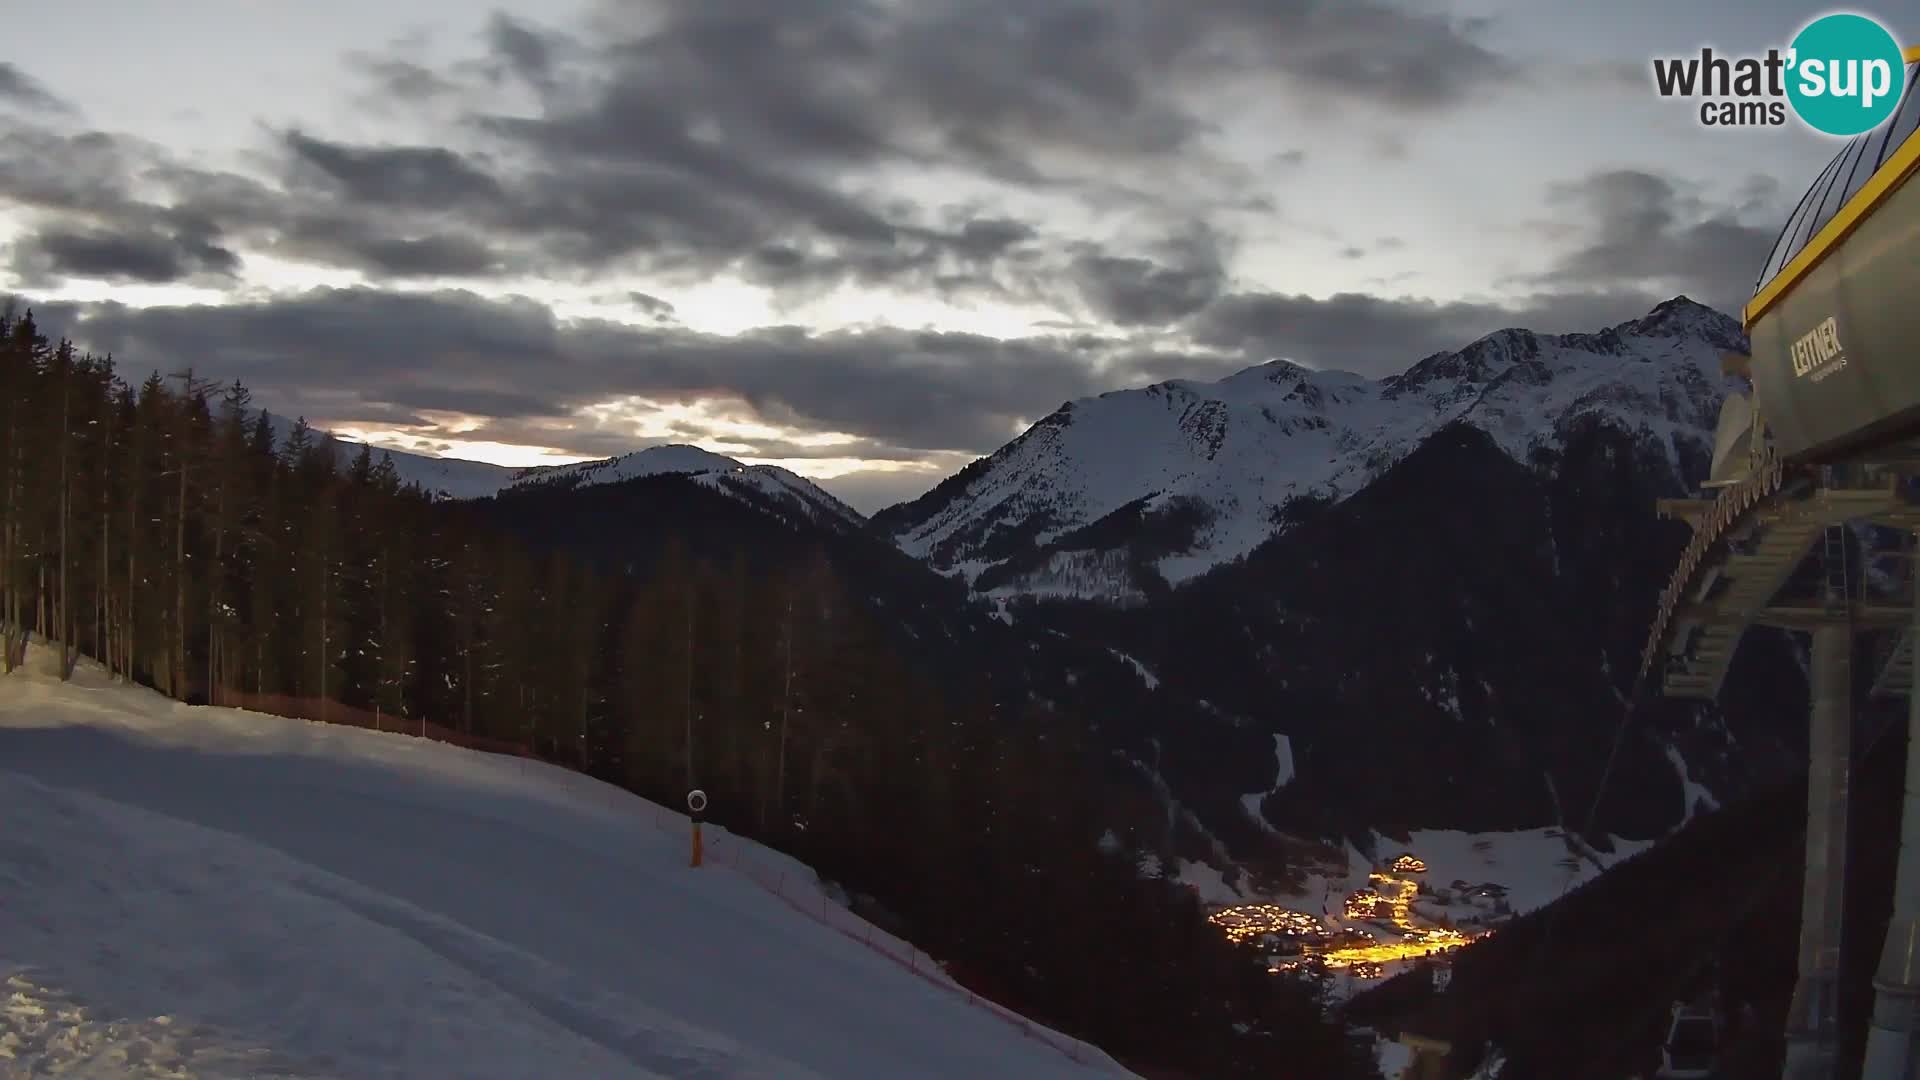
(216, 893)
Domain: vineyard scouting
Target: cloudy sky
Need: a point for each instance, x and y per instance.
(866, 239)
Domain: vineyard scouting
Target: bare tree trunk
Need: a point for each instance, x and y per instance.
(9, 526)
(127, 628)
(466, 664)
(103, 592)
(817, 775)
(69, 651)
(686, 701)
(326, 640)
(178, 659)
(103, 619)
(216, 603)
(8, 618)
(380, 660)
(786, 706)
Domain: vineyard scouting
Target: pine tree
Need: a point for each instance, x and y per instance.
(65, 624)
(232, 473)
(185, 447)
(24, 354)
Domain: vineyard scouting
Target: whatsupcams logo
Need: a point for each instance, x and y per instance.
(1841, 75)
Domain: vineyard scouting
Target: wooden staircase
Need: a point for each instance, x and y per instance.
(1740, 590)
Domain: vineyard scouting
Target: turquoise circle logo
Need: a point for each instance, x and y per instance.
(1846, 74)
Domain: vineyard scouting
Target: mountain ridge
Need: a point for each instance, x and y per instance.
(1208, 470)
(770, 488)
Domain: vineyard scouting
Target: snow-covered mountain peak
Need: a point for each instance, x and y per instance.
(765, 487)
(670, 459)
(768, 487)
(1681, 317)
(1474, 366)
(1207, 468)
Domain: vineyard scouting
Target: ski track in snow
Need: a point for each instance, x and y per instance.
(214, 893)
(1282, 776)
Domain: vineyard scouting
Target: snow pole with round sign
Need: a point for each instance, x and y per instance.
(696, 807)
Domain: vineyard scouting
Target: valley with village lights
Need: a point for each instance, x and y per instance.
(1379, 931)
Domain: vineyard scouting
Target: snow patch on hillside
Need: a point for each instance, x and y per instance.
(450, 478)
(1209, 884)
(1533, 865)
(1282, 776)
(1394, 1058)
(1696, 794)
(1138, 667)
(1282, 761)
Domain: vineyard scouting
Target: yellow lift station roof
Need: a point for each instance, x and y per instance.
(1870, 168)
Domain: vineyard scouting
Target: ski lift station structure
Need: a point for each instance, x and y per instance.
(1827, 439)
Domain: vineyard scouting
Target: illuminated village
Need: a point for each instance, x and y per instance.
(1394, 919)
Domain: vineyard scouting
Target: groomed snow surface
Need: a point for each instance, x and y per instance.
(216, 893)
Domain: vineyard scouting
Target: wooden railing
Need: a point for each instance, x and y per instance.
(1729, 509)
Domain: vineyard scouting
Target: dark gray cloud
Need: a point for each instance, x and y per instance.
(148, 256)
(93, 193)
(368, 357)
(1623, 76)
(688, 139)
(512, 360)
(80, 173)
(85, 221)
(1378, 335)
(523, 50)
(1638, 230)
(397, 212)
(1002, 84)
(1383, 245)
(651, 306)
(1351, 331)
(414, 177)
(407, 82)
(1185, 274)
(21, 89)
